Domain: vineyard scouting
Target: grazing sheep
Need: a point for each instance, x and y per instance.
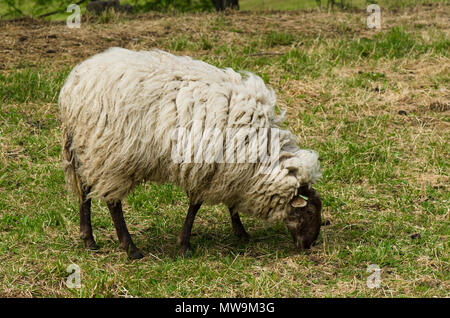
(124, 116)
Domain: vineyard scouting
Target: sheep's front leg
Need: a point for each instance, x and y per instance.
(85, 222)
(115, 208)
(238, 228)
(185, 234)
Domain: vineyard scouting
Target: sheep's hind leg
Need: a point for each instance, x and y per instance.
(85, 223)
(115, 208)
(185, 234)
(238, 228)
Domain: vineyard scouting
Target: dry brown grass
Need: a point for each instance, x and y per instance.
(32, 40)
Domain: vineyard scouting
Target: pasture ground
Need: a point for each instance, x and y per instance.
(374, 104)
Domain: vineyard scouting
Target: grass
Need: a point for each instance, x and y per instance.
(276, 5)
(374, 104)
(313, 4)
(33, 9)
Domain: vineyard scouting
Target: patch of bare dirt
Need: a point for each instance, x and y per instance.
(43, 41)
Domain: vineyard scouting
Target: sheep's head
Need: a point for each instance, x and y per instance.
(304, 219)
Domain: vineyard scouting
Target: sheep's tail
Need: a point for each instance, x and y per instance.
(69, 160)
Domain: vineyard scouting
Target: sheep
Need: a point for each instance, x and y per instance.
(126, 116)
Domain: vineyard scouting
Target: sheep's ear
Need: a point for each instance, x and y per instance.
(299, 202)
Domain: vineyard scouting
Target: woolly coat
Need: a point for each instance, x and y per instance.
(120, 110)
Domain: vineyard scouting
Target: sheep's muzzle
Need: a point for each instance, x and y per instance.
(305, 219)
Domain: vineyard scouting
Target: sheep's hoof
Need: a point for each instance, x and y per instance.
(90, 244)
(243, 236)
(135, 254)
(186, 251)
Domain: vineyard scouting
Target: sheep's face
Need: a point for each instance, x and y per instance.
(304, 219)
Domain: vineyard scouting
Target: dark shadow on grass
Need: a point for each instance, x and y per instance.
(264, 241)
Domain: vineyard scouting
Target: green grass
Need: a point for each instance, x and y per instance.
(385, 175)
(276, 5)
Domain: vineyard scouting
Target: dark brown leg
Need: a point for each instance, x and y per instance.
(185, 234)
(238, 228)
(115, 208)
(85, 223)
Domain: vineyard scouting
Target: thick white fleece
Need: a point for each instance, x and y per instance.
(120, 109)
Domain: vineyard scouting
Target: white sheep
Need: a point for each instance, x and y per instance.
(124, 116)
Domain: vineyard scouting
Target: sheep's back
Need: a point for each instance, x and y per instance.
(121, 107)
